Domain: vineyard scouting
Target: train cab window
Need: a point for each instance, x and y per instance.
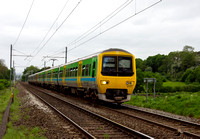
(117, 66)
(83, 70)
(125, 67)
(109, 66)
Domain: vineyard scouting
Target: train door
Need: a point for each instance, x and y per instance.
(79, 74)
(52, 76)
(64, 75)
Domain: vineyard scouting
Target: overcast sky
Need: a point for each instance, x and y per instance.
(167, 26)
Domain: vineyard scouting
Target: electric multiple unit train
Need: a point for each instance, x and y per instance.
(109, 75)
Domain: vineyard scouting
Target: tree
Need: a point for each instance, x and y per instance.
(155, 62)
(187, 60)
(159, 80)
(4, 72)
(140, 64)
(188, 48)
(140, 81)
(28, 71)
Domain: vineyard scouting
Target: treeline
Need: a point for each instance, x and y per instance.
(181, 66)
(31, 70)
(4, 75)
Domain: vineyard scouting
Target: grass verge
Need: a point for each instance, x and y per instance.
(174, 84)
(21, 131)
(4, 99)
(181, 103)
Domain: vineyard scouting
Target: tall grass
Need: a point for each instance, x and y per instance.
(4, 99)
(182, 103)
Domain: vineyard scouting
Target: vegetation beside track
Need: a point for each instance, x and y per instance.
(19, 131)
(4, 99)
(181, 103)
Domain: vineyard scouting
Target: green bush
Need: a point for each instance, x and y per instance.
(166, 89)
(191, 75)
(186, 88)
(191, 88)
(3, 84)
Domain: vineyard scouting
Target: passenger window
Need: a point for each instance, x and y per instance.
(93, 69)
(86, 72)
(67, 73)
(89, 69)
(76, 69)
(83, 70)
(70, 72)
(61, 73)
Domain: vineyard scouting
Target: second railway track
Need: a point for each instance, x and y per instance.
(94, 125)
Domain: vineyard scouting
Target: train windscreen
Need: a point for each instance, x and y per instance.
(117, 66)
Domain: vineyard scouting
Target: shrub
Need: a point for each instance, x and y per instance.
(4, 84)
(191, 75)
(186, 88)
(1, 86)
(166, 89)
(191, 88)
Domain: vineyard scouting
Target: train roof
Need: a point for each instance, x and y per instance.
(86, 57)
(116, 49)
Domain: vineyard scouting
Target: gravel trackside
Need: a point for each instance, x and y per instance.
(35, 113)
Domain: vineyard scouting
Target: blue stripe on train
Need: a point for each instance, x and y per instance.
(88, 79)
(72, 79)
(75, 79)
(82, 79)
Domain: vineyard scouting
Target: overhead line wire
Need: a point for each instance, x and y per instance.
(18, 51)
(52, 26)
(58, 27)
(102, 22)
(115, 25)
(23, 23)
(98, 25)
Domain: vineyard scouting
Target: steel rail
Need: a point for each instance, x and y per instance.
(124, 128)
(87, 134)
(164, 116)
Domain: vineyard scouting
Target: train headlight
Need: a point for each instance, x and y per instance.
(103, 82)
(129, 83)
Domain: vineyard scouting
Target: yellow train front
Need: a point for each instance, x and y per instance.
(116, 75)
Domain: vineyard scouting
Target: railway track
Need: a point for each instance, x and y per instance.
(181, 128)
(185, 127)
(89, 123)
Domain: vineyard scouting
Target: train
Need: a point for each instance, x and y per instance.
(109, 75)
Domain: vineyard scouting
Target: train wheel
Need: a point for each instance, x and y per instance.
(94, 95)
